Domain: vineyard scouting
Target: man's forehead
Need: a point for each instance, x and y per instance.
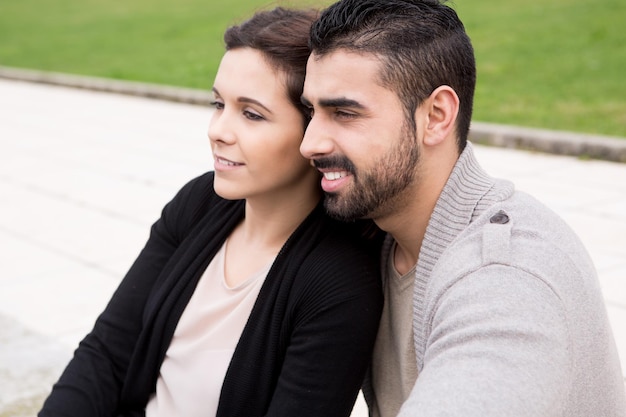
(343, 57)
(341, 73)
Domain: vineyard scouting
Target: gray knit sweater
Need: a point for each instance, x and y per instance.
(509, 319)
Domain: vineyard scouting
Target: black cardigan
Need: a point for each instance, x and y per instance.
(303, 351)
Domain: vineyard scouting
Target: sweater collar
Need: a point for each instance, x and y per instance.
(459, 202)
(465, 195)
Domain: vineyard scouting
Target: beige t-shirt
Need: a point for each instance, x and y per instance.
(192, 373)
(394, 367)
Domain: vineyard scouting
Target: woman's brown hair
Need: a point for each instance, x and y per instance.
(282, 36)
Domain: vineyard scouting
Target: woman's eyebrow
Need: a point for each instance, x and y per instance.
(253, 101)
(246, 100)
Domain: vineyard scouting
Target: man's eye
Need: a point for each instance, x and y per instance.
(344, 115)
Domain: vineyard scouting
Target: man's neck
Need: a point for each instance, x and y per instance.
(408, 220)
(407, 227)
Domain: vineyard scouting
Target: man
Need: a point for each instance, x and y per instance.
(493, 307)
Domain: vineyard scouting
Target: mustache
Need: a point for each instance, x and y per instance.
(341, 163)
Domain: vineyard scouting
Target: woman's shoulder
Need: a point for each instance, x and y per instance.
(344, 249)
(343, 266)
(361, 237)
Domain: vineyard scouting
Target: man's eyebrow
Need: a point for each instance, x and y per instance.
(334, 102)
(340, 102)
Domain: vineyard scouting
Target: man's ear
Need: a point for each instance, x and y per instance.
(443, 107)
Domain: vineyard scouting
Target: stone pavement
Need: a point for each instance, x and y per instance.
(83, 175)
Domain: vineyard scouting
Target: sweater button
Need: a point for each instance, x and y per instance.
(499, 218)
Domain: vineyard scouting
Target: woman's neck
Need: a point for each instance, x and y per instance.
(267, 225)
(271, 220)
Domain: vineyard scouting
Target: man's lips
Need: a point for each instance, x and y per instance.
(333, 180)
(335, 175)
(337, 171)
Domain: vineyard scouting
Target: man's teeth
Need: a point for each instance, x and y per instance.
(331, 176)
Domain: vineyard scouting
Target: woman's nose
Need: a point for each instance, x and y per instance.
(220, 130)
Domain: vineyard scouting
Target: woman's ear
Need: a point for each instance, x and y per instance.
(443, 107)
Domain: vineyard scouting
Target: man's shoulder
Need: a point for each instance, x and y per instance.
(522, 233)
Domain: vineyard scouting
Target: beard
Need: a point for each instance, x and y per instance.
(374, 192)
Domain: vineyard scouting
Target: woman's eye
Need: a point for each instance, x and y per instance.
(252, 116)
(218, 105)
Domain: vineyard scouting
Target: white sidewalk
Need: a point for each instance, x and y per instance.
(83, 175)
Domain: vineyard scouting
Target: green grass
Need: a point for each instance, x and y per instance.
(158, 41)
(557, 64)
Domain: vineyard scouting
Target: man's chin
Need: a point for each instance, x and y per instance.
(337, 208)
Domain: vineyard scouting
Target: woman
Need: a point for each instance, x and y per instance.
(247, 300)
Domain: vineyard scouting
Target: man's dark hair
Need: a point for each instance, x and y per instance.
(421, 44)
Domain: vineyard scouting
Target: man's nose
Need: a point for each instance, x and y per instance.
(317, 140)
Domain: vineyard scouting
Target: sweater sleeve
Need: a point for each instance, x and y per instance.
(92, 381)
(338, 309)
(498, 345)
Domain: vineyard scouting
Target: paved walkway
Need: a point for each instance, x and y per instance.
(83, 175)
